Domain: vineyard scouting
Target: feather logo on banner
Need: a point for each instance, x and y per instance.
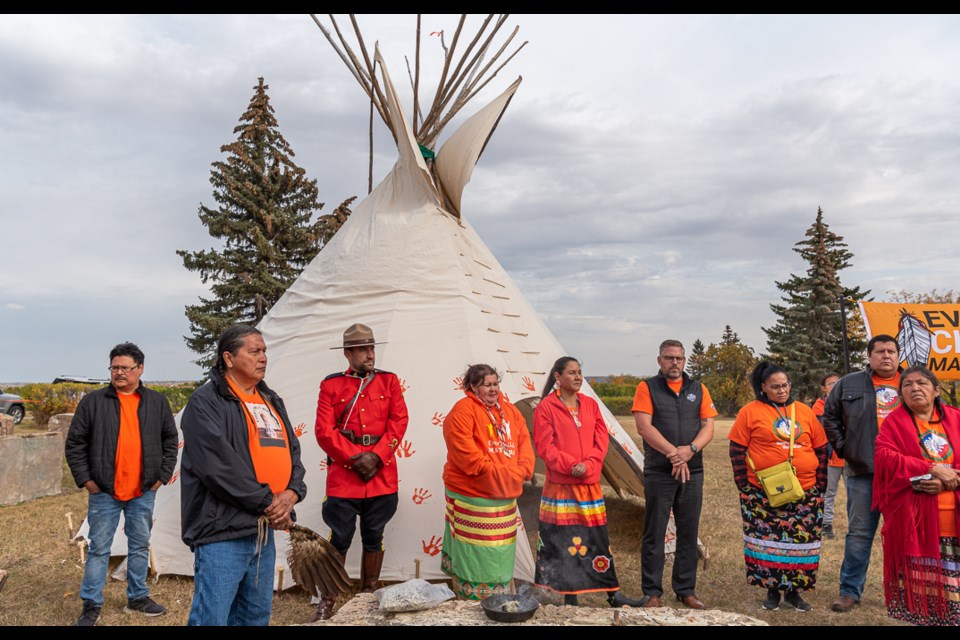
(913, 338)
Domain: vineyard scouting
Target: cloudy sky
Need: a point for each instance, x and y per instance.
(648, 180)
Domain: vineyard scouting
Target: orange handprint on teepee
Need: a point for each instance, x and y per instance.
(420, 495)
(405, 450)
(433, 547)
(528, 384)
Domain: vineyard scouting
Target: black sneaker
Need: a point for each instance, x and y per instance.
(793, 599)
(146, 606)
(772, 603)
(828, 531)
(90, 615)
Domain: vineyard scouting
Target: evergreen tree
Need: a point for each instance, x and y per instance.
(695, 360)
(807, 339)
(263, 220)
(725, 371)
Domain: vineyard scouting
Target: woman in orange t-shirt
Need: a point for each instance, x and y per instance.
(489, 456)
(781, 545)
(920, 516)
(834, 463)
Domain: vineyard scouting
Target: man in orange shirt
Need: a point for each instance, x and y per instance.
(121, 446)
(674, 416)
(361, 420)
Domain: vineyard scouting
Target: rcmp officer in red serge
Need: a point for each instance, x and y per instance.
(361, 419)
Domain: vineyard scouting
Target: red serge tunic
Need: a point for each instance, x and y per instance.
(379, 411)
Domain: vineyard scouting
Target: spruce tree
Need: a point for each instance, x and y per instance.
(695, 360)
(807, 339)
(263, 220)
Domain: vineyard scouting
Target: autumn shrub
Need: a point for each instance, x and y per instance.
(46, 400)
(177, 394)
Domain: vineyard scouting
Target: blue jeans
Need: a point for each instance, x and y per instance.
(103, 516)
(233, 583)
(861, 529)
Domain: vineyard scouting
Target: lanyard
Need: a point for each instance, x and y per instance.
(792, 424)
(574, 411)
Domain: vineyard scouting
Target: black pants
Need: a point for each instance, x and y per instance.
(663, 493)
(340, 514)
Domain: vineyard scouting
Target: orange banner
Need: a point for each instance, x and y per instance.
(926, 333)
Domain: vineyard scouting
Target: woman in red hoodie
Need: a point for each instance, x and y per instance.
(573, 547)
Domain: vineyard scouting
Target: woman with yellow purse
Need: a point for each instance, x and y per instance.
(779, 453)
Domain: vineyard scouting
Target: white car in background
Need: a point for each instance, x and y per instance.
(12, 405)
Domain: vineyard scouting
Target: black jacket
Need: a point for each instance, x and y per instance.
(91, 444)
(850, 420)
(221, 498)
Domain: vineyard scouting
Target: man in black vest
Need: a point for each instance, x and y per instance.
(674, 416)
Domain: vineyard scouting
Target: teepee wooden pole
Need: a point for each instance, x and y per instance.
(416, 83)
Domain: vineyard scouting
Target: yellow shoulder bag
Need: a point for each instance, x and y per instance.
(780, 481)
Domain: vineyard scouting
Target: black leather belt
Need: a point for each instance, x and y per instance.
(365, 440)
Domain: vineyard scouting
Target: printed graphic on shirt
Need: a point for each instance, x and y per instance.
(269, 430)
(888, 399)
(504, 441)
(781, 429)
(936, 448)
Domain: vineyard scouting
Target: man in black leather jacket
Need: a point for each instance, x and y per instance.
(852, 416)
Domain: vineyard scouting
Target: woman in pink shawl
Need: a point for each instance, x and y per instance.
(915, 488)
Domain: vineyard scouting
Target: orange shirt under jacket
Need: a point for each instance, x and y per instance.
(486, 460)
(765, 434)
(561, 444)
(835, 460)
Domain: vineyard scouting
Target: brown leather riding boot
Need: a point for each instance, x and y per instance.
(325, 608)
(370, 571)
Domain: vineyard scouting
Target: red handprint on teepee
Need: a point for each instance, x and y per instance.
(420, 495)
(433, 547)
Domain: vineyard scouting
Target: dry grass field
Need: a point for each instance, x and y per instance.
(45, 569)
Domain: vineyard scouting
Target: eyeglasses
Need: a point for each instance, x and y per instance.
(779, 387)
(673, 358)
(119, 368)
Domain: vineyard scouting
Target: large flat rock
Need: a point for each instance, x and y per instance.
(31, 466)
(362, 611)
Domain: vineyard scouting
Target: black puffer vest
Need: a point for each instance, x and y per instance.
(677, 418)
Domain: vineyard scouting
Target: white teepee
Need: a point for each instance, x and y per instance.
(408, 265)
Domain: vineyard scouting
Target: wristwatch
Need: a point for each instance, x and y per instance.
(693, 447)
